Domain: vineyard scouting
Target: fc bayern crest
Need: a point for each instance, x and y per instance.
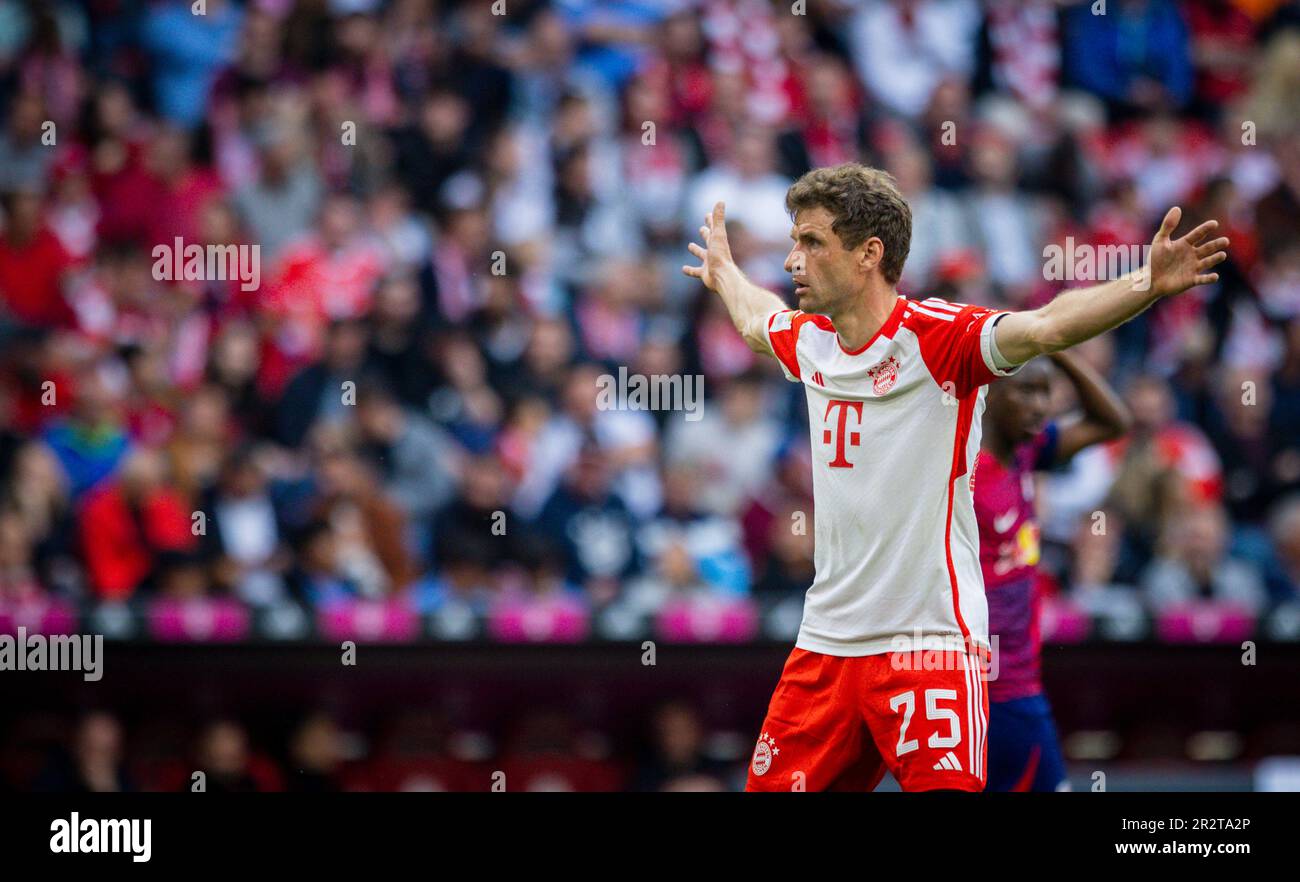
(763, 753)
(884, 375)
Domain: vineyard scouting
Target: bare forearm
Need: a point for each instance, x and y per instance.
(748, 305)
(1074, 316)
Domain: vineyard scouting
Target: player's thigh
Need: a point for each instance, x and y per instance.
(928, 716)
(812, 735)
(1024, 750)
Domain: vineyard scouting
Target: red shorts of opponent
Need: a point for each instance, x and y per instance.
(837, 723)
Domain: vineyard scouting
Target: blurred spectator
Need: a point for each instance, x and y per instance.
(1192, 564)
(280, 205)
(1239, 430)
(318, 393)
(325, 275)
(1003, 222)
(1284, 416)
(233, 363)
(24, 157)
(188, 50)
(1022, 41)
(201, 440)
(36, 493)
(95, 763)
(33, 264)
(478, 511)
(731, 448)
(246, 536)
(418, 462)
(785, 502)
(1097, 546)
(368, 527)
(1136, 56)
(18, 578)
(1160, 468)
(90, 443)
(399, 338)
(592, 525)
(938, 222)
(789, 569)
(688, 547)
(1284, 578)
(675, 759)
(315, 754)
(626, 438)
(129, 523)
(1222, 39)
(433, 148)
(319, 577)
(466, 403)
(228, 763)
(903, 48)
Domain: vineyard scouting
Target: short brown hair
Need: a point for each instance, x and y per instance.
(865, 202)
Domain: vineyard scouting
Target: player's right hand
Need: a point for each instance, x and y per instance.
(715, 254)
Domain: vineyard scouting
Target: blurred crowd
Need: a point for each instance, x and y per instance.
(316, 751)
(464, 219)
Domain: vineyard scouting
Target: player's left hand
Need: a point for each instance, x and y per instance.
(1178, 264)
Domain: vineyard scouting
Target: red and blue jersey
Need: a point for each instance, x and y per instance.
(1009, 552)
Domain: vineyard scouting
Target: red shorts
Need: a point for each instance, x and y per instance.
(837, 723)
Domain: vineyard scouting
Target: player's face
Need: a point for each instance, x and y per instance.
(1019, 404)
(825, 273)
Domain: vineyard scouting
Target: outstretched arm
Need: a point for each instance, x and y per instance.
(1104, 417)
(748, 305)
(1082, 313)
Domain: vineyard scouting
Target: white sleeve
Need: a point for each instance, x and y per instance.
(993, 356)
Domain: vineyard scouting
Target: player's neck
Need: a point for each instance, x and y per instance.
(857, 325)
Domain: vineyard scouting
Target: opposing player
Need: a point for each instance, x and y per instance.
(1018, 440)
(895, 393)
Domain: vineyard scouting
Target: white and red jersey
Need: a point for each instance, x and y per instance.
(895, 432)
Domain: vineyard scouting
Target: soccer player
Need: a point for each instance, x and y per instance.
(895, 391)
(1018, 440)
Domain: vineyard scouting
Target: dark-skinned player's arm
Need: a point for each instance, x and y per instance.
(748, 305)
(1104, 417)
(1174, 265)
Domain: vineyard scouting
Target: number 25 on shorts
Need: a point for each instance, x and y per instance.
(906, 702)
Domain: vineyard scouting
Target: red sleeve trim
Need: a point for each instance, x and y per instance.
(786, 338)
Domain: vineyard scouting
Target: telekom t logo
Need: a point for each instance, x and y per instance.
(853, 439)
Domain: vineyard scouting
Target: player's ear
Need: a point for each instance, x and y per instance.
(870, 253)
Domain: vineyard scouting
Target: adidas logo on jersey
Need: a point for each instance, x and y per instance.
(949, 762)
